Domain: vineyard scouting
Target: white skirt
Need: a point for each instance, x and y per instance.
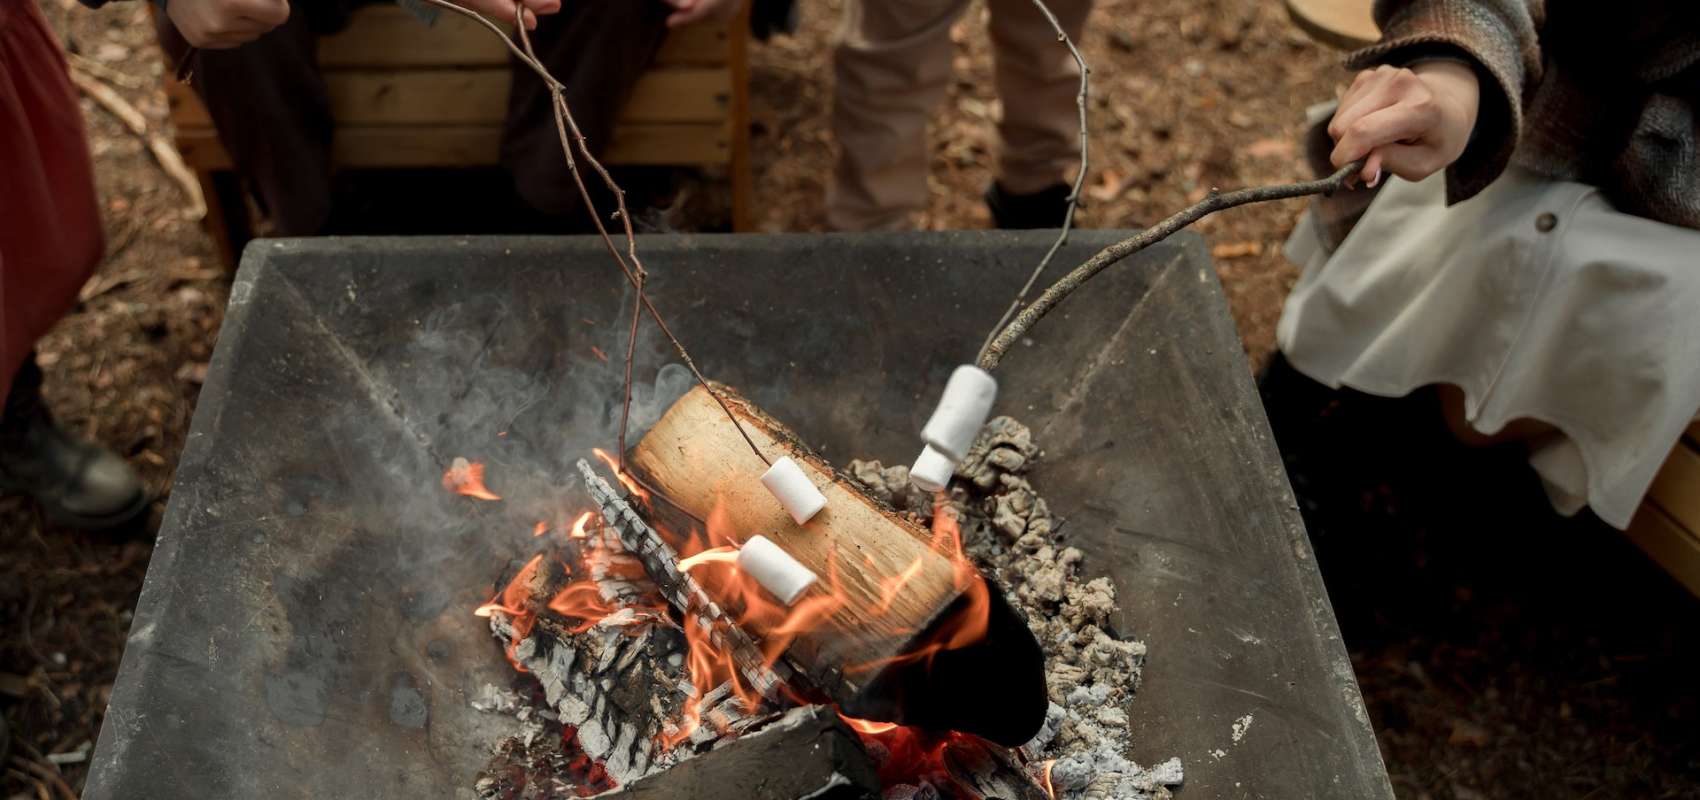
(1535, 297)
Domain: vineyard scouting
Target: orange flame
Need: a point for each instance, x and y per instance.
(578, 526)
(467, 478)
(968, 626)
(867, 726)
(626, 480)
(512, 602)
(723, 554)
(1050, 790)
(540, 528)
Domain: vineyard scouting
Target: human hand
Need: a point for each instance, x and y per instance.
(688, 11)
(1411, 122)
(503, 10)
(223, 24)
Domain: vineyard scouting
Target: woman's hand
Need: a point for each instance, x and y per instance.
(686, 12)
(223, 24)
(503, 11)
(1410, 122)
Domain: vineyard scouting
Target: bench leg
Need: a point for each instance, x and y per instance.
(227, 214)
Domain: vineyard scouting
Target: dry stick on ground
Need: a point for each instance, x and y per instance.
(1074, 192)
(634, 271)
(169, 159)
(1216, 201)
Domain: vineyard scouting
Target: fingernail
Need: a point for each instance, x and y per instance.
(1376, 179)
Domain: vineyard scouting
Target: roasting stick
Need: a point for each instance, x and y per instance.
(634, 271)
(1079, 176)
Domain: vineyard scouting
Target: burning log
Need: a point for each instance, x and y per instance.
(905, 628)
(661, 563)
(807, 752)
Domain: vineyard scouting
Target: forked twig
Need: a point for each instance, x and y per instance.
(634, 271)
(1074, 192)
(1215, 201)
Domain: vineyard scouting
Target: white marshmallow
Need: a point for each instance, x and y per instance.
(932, 470)
(775, 569)
(795, 491)
(961, 412)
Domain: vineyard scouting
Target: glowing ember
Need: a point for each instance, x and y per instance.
(540, 528)
(467, 478)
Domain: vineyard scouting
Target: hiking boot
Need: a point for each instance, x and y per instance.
(1045, 208)
(79, 484)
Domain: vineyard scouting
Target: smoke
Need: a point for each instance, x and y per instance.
(650, 401)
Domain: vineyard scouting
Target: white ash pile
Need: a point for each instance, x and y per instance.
(1091, 671)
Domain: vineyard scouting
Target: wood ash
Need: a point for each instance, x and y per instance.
(1092, 670)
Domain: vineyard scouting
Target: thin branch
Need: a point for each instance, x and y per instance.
(1216, 201)
(1074, 192)
(163, 152)
(634, 270)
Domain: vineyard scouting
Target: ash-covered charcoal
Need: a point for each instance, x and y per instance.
(1091, 672)
(807, 753)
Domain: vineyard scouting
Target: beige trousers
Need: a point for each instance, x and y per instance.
(892, 66)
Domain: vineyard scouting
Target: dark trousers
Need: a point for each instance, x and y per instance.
(269, 103)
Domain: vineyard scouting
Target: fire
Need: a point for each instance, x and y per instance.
(967, 627)
(626, 480)
(709, 554)
(512, 602)
(467, 478)
(722, 554)
(1050, 790)
(578, 531)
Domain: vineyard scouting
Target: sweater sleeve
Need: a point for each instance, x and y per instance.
(1498, 37)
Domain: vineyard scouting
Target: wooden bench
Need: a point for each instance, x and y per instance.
(406, 95)
(1667, 525)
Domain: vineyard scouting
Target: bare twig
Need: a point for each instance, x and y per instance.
(163, 152)
(45, 773)
(1074, 192)
(108, 74)
(1215, 201)
(633, 270)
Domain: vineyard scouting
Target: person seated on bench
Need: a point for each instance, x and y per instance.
(253, 63)
(1532, 243)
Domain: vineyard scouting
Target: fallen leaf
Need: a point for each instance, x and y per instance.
(193, 372)
(1227, 250)
(1111, 184)
(1466, 732)
(1271, 148)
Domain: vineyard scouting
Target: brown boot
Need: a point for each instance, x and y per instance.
(79, 484)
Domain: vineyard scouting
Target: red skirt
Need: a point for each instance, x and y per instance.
(50, 236)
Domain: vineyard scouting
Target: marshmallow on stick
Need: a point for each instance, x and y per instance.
(775, 569)
(793, 489)
(932, 470)
(961, 412)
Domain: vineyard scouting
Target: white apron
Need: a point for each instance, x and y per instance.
(1538, 300)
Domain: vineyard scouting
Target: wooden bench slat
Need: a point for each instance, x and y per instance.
(479, 145)
(1669, 544)
(1676, 489)
(380, 37)
(480, 96)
